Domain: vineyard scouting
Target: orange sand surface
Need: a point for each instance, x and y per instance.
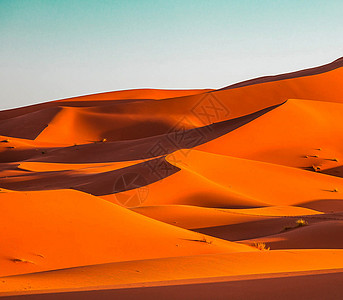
(145, 272)
(233, 193)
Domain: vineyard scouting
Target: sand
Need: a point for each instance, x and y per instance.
(233, 193)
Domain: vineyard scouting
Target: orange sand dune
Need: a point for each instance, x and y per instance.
(60, 229)
(325, 205)
(224, 103)
(119, 121)
(324, 86)
(192, 217)
(16, 149)
(187, 188)
(96, 180)
(304, 134)
(276, 211)
(265, 227)
(89, 168)
(30, 125)
(155, 94)
(200, 108)
(301, 285)
(338, 63)
(177, 194)
(322, 235)
(77, 125)
(145, 272)
(96, 99)
(285, 186)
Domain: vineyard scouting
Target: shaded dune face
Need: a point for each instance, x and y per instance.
(119, 190)
(172, 139)
(30, 125)
(101, 99)
(98, 184)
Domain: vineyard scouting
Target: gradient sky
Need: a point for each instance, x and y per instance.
(53, 49)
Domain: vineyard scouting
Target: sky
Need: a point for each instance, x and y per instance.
(53, 49)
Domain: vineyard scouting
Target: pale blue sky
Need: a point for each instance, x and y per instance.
(51, 49)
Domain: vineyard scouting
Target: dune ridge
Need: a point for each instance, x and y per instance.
(176, 193)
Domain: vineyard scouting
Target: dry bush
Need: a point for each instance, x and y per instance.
(261, 246)
(301, 222)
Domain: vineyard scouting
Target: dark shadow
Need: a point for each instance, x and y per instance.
(132, 177)
(149, 147)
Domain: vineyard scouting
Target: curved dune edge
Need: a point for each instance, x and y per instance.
(194, 217)
(87, 168)
(174, 268)
(286, 185)
(310, 139)
(232, 103)
(324, 205)
(164, 188)
(96, 99)
(276, 211)
(322, 235)
(200, 192)
(43, 229)
(304, 285)
(156, 94)
(338, 63)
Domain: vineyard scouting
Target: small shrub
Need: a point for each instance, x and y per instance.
(301, 222)
(261, 246)
(204, 240)
(298, 223)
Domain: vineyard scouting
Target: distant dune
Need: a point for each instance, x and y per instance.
(233, 193)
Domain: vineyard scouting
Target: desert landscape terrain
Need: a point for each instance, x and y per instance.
(234, 193)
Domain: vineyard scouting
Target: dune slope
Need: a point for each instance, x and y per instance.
(233, 193)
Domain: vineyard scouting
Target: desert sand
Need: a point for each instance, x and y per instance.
(233, 193)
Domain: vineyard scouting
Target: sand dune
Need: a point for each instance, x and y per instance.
(304, 134)
(192, 217)
(285, 186)
(176, 194)
(338, 63)
(206, 267)
(102, 98)
(44, 229)
(322, 235)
